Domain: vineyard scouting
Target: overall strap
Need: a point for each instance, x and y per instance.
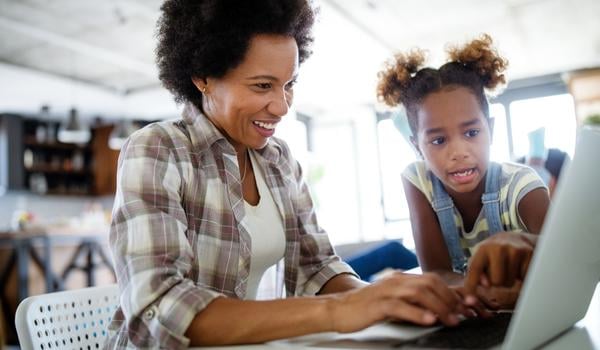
(444, 208)
(491, 198)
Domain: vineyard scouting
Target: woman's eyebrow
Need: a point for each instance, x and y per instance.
(268, 77)
(262, 77)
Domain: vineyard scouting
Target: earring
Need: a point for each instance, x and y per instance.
(203, 89)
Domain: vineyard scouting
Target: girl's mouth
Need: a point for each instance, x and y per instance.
(463, 176)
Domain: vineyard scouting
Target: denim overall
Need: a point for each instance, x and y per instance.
(444, 208)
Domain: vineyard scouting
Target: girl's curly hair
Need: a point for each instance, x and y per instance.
(207, 38)
(475, 66)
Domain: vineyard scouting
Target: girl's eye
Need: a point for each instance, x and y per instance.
(438, 140)
(472, 133)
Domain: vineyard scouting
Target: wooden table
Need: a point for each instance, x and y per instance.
(35, 246)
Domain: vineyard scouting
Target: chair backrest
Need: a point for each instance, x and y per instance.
(74, 319)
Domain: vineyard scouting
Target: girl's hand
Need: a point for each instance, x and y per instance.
(500, 298)
(422, 299)
(476, 306)
(500, 261)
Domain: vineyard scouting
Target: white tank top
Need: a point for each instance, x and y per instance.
(265, 226)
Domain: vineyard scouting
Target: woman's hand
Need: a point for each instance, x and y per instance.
(421, 299)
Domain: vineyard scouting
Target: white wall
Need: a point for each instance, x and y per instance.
(25, 91)
(342, 72)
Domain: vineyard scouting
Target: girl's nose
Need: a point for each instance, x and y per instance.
(459, 150)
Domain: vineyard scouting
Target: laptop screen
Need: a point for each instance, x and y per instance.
(566, 265)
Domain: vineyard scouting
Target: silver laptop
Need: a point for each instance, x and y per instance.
(561, 280)
(566, 265)
(565, 268)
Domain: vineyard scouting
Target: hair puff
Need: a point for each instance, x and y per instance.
(394, 79)
(480, 56)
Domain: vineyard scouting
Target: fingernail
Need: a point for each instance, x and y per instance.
(470, 300)
(428, 317)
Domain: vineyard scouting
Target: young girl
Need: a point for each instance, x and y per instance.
(457, 197)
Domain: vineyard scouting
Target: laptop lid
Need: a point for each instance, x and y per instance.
(565, 268)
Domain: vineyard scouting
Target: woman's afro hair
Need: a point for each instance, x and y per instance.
(207, 38)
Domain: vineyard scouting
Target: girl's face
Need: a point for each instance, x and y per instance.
(454, 139)
(249, 101)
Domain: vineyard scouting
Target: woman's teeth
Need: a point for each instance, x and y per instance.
(263, 125)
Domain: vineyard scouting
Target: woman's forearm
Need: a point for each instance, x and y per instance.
(420, 299)
(233, 321)
(342, 283)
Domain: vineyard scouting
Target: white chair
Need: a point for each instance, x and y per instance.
(74, 319)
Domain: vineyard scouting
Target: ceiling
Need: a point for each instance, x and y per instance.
(106, 43)
(537, 36)
(109, 44)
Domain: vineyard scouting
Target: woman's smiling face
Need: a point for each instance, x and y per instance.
(249, 101)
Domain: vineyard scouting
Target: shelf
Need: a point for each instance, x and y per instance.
(67, 193)
(31, 142)
(56, 168)
(50, 170)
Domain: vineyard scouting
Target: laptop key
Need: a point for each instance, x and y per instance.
(474, 333)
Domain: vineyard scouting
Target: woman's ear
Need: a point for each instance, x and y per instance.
(200, 83)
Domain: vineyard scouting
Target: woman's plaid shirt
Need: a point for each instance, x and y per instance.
(176, 234)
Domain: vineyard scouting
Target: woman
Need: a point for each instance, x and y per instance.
(207, 203)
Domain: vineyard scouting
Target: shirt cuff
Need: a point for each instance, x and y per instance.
(318, 280)
(169, 319)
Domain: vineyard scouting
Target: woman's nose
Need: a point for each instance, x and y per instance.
(280, 104)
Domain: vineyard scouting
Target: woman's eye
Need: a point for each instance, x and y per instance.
(263, 86)
(438, 140)
(472, 133)
(290, 85)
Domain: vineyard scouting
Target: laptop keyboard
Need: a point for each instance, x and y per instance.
(473, 333)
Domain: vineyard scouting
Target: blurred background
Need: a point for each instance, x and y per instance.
(76, 77)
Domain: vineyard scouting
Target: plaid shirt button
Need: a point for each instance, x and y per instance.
(149, 314)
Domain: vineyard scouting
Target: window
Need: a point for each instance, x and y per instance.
(332, 175)
(555, 113)
(396, 154)
(499, 151)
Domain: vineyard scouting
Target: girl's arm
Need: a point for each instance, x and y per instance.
(429, 241)
(419, 299)
(532, 209)
(504, 258)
